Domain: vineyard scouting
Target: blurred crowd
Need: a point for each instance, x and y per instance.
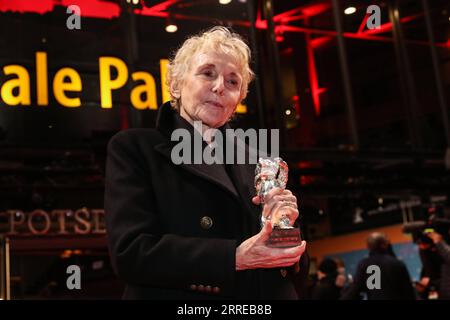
(382, 276)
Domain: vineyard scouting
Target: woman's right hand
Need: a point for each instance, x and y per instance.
(253, 253)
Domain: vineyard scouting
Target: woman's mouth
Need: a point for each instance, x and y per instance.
(215, 104)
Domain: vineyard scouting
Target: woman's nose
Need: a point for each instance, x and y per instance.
(218, 86)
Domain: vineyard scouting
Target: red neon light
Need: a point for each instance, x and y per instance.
(363, 35)
(383, 28)
(296, 101)
(307, 179)
(287, 51)
(315, 9)
(151, 13)
(88, 8)
(259, 23)
(363, 24)
(313, 80)
(95, 8)
(23, 6)
(292, 18)
(287, 14)
(278, 34)
(388, 26)
(157, 10)
(305, 11)
(163, 5)
(320, 41)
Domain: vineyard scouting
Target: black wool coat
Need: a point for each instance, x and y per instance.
(173, 229)
(395, 282)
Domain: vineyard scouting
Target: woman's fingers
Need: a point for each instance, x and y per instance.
(284, 211)
(256, 200)
(278, 201)
(254, 253)
(265, 232)
(284, 253)
(272, 193)
(294, 251)
(276, 195)
(285, 196)
(281, 210)
(284, 257)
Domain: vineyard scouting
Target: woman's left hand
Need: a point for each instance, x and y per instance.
(279, 203)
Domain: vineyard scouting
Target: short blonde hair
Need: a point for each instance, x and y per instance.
(219, 39)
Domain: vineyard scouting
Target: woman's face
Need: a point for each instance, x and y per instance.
(211, 90)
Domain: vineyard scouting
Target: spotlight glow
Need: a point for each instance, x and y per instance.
(350, 10)
(171, 28)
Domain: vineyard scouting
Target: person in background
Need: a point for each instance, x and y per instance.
(444, 251)
(395, 282)
(430, 276)
(326, 288)
(343, 280)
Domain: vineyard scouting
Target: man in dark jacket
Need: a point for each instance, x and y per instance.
(444, 251)
(381, 276)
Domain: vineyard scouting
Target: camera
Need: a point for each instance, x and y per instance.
(419, 229)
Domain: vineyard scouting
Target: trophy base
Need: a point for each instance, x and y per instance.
(284, 238)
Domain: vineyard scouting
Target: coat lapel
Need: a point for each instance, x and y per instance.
(241, 174)
(213, 173)
(167, 121)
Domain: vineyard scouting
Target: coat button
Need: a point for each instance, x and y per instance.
(201, 288)
(193, 287)
(208, 289)
(216, 289)
(206, 222)
(283, 273)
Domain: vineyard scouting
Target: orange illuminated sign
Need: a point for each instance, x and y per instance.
(113, 75)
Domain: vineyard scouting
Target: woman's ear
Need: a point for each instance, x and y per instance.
(175, 91)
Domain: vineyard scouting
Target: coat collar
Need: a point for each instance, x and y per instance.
(167, 121)
(241, 174)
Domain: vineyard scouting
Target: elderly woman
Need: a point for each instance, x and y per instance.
(193, 231)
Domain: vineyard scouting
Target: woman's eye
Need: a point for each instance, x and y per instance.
(208, 73)
(233, 82)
